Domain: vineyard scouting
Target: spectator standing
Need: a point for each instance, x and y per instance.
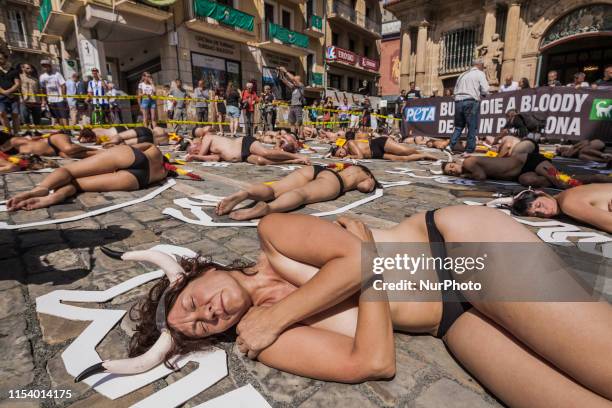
(448, 91)
(268, 109)
(9, 101)
(606, 81)
(113, 102)
(296, 108)
(344, 116)
(524, 83)
(470, 87)
(30, 101)
(54, 87)
(169, 104)
(579, 81)
(327, 113)
(96, 88)
(81, 103)
(509, 85)
(249, 98)
(399, 104)
(232, 101)
(201, 95)
(413, 92)
(221, 107)
(71, 89)
(314, 113)
(553, 78)
(434, 92)
(355, 116)
(366, 117)
(179, 110)
(147, 101)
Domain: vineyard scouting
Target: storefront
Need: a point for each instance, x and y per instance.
(216, 61)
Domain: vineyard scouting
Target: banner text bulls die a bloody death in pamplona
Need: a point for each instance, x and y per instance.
(569, 113)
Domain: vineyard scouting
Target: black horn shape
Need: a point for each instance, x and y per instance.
(88, 372)
(111, 253)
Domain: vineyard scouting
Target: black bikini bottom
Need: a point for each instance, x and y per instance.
(454, 304)
(140, 168)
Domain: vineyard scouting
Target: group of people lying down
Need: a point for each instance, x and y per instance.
(305, 309)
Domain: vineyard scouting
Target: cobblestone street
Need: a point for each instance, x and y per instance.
(36, 261)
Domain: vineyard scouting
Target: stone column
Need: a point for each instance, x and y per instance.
(421, 52)
(405, 57)
(489, 23)
(512, 38)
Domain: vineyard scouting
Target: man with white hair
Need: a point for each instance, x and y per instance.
(509, 85)
(470, 87)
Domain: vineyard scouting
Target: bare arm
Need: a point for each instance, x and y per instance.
(354, 151)
(474, 171)
(585, 212)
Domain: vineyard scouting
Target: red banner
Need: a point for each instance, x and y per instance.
(340, 54)
(368, 63)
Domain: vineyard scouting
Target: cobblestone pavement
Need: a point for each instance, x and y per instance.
(36, 261)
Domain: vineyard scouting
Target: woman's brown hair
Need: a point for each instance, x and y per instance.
(146, 332)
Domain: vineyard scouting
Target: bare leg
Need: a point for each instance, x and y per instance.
(412, 157)
(510, 370)
(273, 154)
(533, 179)
(262, 161)
(398, 149)
(588, 154)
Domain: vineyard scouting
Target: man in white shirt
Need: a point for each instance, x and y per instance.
(54, 86)
(95, 88)
(470, 87)
(509, 85)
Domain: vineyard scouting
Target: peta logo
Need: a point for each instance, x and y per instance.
(420, 114)
(601, 109)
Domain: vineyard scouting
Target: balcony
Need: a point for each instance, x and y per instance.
(285, 41)
(315, 27)
(222, 21)
(143, 9)
(24, 43)
(343, 13)
(51, 22)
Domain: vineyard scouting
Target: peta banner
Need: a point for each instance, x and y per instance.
(570, 114)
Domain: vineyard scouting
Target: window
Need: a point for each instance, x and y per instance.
(368, 10)
(268, 18)
(500, 22)
(17, 28)
(334, 81)
(286, 18)
(366, 51)
(352, 45)
(335, 39)
(226, 2)
(311, 8)
(350, 84)
(457, 50)
(309, 68)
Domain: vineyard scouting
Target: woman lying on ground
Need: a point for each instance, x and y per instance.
(52, 144)
(121, 168)
(379, 148)
(587, 150)
(24, 162)
(590, 204)
(122, 135)
(299, 310)
(312, 184)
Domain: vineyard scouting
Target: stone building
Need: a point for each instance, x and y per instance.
(19, 30)
(218, 41)
(521, 38)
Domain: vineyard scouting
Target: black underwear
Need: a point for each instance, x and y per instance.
(454, 304)
(144, 135)
(120, 129)
(533, 161)
(245, 151)
(140, 168)
(536, 144)
(193, 135)
(54, 147)
(377, 147)
(318, 169)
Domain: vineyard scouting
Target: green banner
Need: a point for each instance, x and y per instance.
(43, 16)
(316, 78)
(288, 36)
(316, 22)
(224, 14)
(601, 109)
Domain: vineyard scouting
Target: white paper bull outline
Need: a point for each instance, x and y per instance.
(460, 181)
(557, 232)
(208, 200)
(81, 353)
(169, 183)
